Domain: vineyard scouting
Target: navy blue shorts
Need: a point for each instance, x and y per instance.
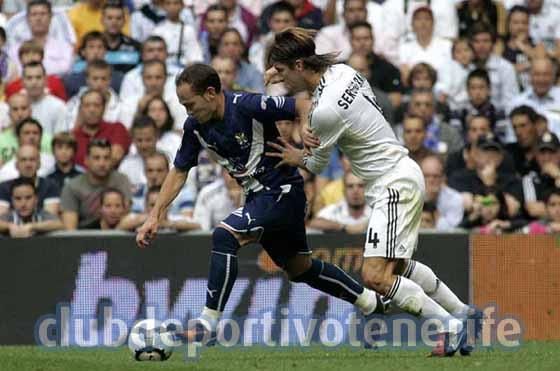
(277, 219)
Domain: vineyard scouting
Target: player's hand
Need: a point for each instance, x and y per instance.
(288, 154)
(147, 232)
(271, 76)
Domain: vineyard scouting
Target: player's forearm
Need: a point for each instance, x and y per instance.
(171, 187)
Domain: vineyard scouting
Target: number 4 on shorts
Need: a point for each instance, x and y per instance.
(372, 238)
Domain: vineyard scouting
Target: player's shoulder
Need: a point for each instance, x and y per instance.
(338, 88)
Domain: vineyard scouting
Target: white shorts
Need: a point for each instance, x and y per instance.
(397, 200)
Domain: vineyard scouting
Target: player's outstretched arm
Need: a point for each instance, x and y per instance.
(171, 187)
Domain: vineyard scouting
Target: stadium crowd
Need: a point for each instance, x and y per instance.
(90, 122)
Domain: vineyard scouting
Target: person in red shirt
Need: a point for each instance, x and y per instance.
(90, 125)
(29, 52)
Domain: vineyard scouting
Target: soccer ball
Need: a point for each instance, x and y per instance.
(149, 340)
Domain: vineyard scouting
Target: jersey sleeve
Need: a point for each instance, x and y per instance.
(266, 108)
(328, 126)
(187, 154)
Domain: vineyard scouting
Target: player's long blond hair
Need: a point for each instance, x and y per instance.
(297, 43)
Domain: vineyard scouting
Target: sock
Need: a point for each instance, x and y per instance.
(410, 297)
(223, 269)
(332, 280)
(368, 302)
(435, 288)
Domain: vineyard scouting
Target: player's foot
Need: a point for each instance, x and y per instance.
(198, 332)
(448, 343)
(473, 327)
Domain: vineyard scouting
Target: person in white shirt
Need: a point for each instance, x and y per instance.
(543, 95)
(48, 109)
(150, 14)
(216, 201)
(344, 112)
(544, 25)
(502, 73)
(425, 47)
(350, 215)
(58, 51)
(181, 39)
(98, 77)
(168, 140)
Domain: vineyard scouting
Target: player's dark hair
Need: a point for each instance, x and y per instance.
(524, 111)
(297, 43)
(479, 73)
(168, 125)
(93, 91)
(45, 3)
(153, 62)
(360, 24)
(282, 7)
(22, 181)
(98, 143)
(482, 27)
(108, 191)
(201, 77)
(28, 121)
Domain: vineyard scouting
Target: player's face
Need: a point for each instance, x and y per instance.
(98, 162)
(478, 127)
(292, 77)
(414, 134)
(20, 108)
(156, 171)
(285, 129)
(112, 209)
(113, 20)
(145, 141)
(99, 79)
(201, 106)
(478, 91)
(30, 134)
(24, 200)
(525, 130)
(553, 208)
(354, 191)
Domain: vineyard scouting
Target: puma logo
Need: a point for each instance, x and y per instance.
(211, 292)
(249, 218)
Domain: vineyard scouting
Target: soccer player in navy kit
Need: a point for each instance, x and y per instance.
(234, 128)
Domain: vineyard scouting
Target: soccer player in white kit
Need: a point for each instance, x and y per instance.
(344, 112)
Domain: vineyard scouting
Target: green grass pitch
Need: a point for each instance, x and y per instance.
(531, 356)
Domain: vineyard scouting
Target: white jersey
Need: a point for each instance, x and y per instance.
(344, 113)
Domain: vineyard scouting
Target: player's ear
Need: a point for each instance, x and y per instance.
(210, 93)
(298, 65)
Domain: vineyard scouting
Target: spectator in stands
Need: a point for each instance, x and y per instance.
(29, 132)
(156, 168)
(86, 17)
(479, 104)
(227, 71)
(215, 23)
(550, 223)
(336, 38)
(144, 137)
(542, 125)
(448, 202)
(27, 165)
(537, 184)
(98, 77)
(543, 96)
(81, 196)
(31, 51)
(168, 141)
(429, 216)
(307, 15)
(486, 177)
(519, 48)
(441, 137)
(169, 221)
(112, 210)
(523, 119)
(383, 75)
(282, 16)
(487, 11)
(151, 13)
(425, 46)
(310, 189)
(332, 191)
(64, 149)
(58, 52)
(414, 135)
(350, 215)
(91, 126)
(502, 73)
(544, 27)
(451, 87)
(48, 109)
(94, 47)
(181, 39)
(216, 201)
(233, 46)
(25, 218)
(123, 52)
(241, 19)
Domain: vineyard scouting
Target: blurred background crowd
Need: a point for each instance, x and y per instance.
(90, 122)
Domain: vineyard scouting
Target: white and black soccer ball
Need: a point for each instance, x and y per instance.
(149, 340)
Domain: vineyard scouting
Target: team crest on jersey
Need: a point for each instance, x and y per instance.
(242, 140)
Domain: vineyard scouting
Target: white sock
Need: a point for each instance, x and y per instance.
(410, 297)
(425, 277)
(366, 301)
(210, 318)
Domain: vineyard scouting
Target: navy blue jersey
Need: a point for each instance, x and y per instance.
(238, 142)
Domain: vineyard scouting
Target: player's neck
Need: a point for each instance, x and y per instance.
(221, 109)
(312, 80)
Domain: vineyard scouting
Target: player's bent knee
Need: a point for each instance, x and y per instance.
(305, 270)
(224, 242)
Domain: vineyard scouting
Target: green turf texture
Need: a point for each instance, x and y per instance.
(531, 356)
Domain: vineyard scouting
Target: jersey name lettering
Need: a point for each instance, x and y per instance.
(351, 91)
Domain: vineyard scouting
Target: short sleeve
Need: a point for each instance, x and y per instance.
(268, 109)
(187, 154)
(69, 200)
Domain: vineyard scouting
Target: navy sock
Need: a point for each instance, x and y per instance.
(223, 269)
(332, 280)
